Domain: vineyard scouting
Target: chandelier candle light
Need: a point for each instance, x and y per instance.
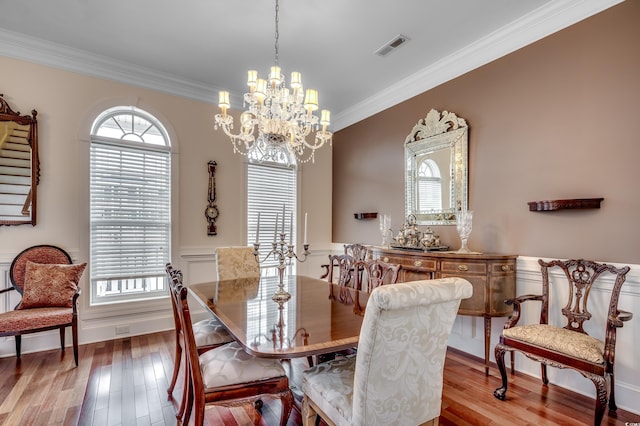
(282, 251)
(282, 116)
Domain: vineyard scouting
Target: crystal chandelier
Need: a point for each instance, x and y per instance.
(283, 117)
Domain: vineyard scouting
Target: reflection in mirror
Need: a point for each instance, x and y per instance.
(19, 166)
(436, 177)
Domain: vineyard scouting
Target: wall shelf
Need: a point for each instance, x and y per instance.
(572, 203)
(360, 216)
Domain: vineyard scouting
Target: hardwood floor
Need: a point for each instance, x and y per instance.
(124, 382)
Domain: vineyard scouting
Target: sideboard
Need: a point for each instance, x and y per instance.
(493, 277)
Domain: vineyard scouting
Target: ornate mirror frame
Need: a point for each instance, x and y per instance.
(19, 166)
(443, 139)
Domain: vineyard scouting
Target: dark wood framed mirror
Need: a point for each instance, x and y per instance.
(19, 166)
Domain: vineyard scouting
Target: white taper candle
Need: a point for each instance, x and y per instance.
(305, 228)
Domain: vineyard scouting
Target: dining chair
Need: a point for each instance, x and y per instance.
(343, 263)
(396, 375)
(569, 346)
(226, 375)
(208, 333)
(49, 285)
(374, 273)
(236, 262)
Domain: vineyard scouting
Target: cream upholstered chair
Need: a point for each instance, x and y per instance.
(396, 376)
(236, 262)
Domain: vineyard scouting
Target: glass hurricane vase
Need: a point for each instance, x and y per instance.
(464, 221)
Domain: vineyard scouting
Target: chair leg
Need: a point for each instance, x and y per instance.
(612, 394)
(74, 338)
(62, 338)
(286, 398)
(543, 373)
(184, 408)
(177, 359)
(601, 397)
(501, 392)
(18, 342)
(309, 415)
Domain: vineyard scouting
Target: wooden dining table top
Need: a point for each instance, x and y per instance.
(319, 318)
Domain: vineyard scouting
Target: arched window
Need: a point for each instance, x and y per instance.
(429, 186)
(130, 205)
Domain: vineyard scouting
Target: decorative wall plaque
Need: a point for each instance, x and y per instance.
(211, 213)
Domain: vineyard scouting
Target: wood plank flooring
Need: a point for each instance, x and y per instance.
(124, 382)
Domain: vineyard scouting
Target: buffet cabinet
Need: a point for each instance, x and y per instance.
(493, 277)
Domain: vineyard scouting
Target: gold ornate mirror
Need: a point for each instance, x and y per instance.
(436, 176)
(19, 166)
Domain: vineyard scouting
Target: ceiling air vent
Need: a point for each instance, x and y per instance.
(392, 45)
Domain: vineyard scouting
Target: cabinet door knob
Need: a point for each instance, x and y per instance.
(385, 260)
(506, 268)
(418, 263)
(463, 268)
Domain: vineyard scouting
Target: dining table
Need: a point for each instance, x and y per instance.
(320, 317)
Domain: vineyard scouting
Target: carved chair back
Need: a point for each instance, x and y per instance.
(374, 273)
(357, 251)
(344, 264)
(580, 274)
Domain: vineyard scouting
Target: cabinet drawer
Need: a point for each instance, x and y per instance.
(411, 263)
(503, 267)
(413, 274)
(463, 267)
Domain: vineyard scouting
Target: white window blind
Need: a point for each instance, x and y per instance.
(429, 186)
(270, 186)
(130, 202)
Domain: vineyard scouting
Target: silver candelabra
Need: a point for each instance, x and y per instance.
(282, 251)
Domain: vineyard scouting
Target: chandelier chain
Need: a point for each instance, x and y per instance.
(277, 32)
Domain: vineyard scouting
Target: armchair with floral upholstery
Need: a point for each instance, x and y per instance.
(48, 283)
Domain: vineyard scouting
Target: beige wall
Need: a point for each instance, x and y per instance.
(554, 120)
(67, 103)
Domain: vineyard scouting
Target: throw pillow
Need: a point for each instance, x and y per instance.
(48, 285)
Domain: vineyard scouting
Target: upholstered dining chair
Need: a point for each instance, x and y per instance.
(396, 376)
(49, 285)
(569, 346)
(226, 375)
(236, 262)
(208, 334)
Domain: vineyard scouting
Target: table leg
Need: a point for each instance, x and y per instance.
(487, 342)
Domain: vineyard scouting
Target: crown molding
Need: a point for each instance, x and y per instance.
(31, 49)
(546, 20)
(542, 22)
